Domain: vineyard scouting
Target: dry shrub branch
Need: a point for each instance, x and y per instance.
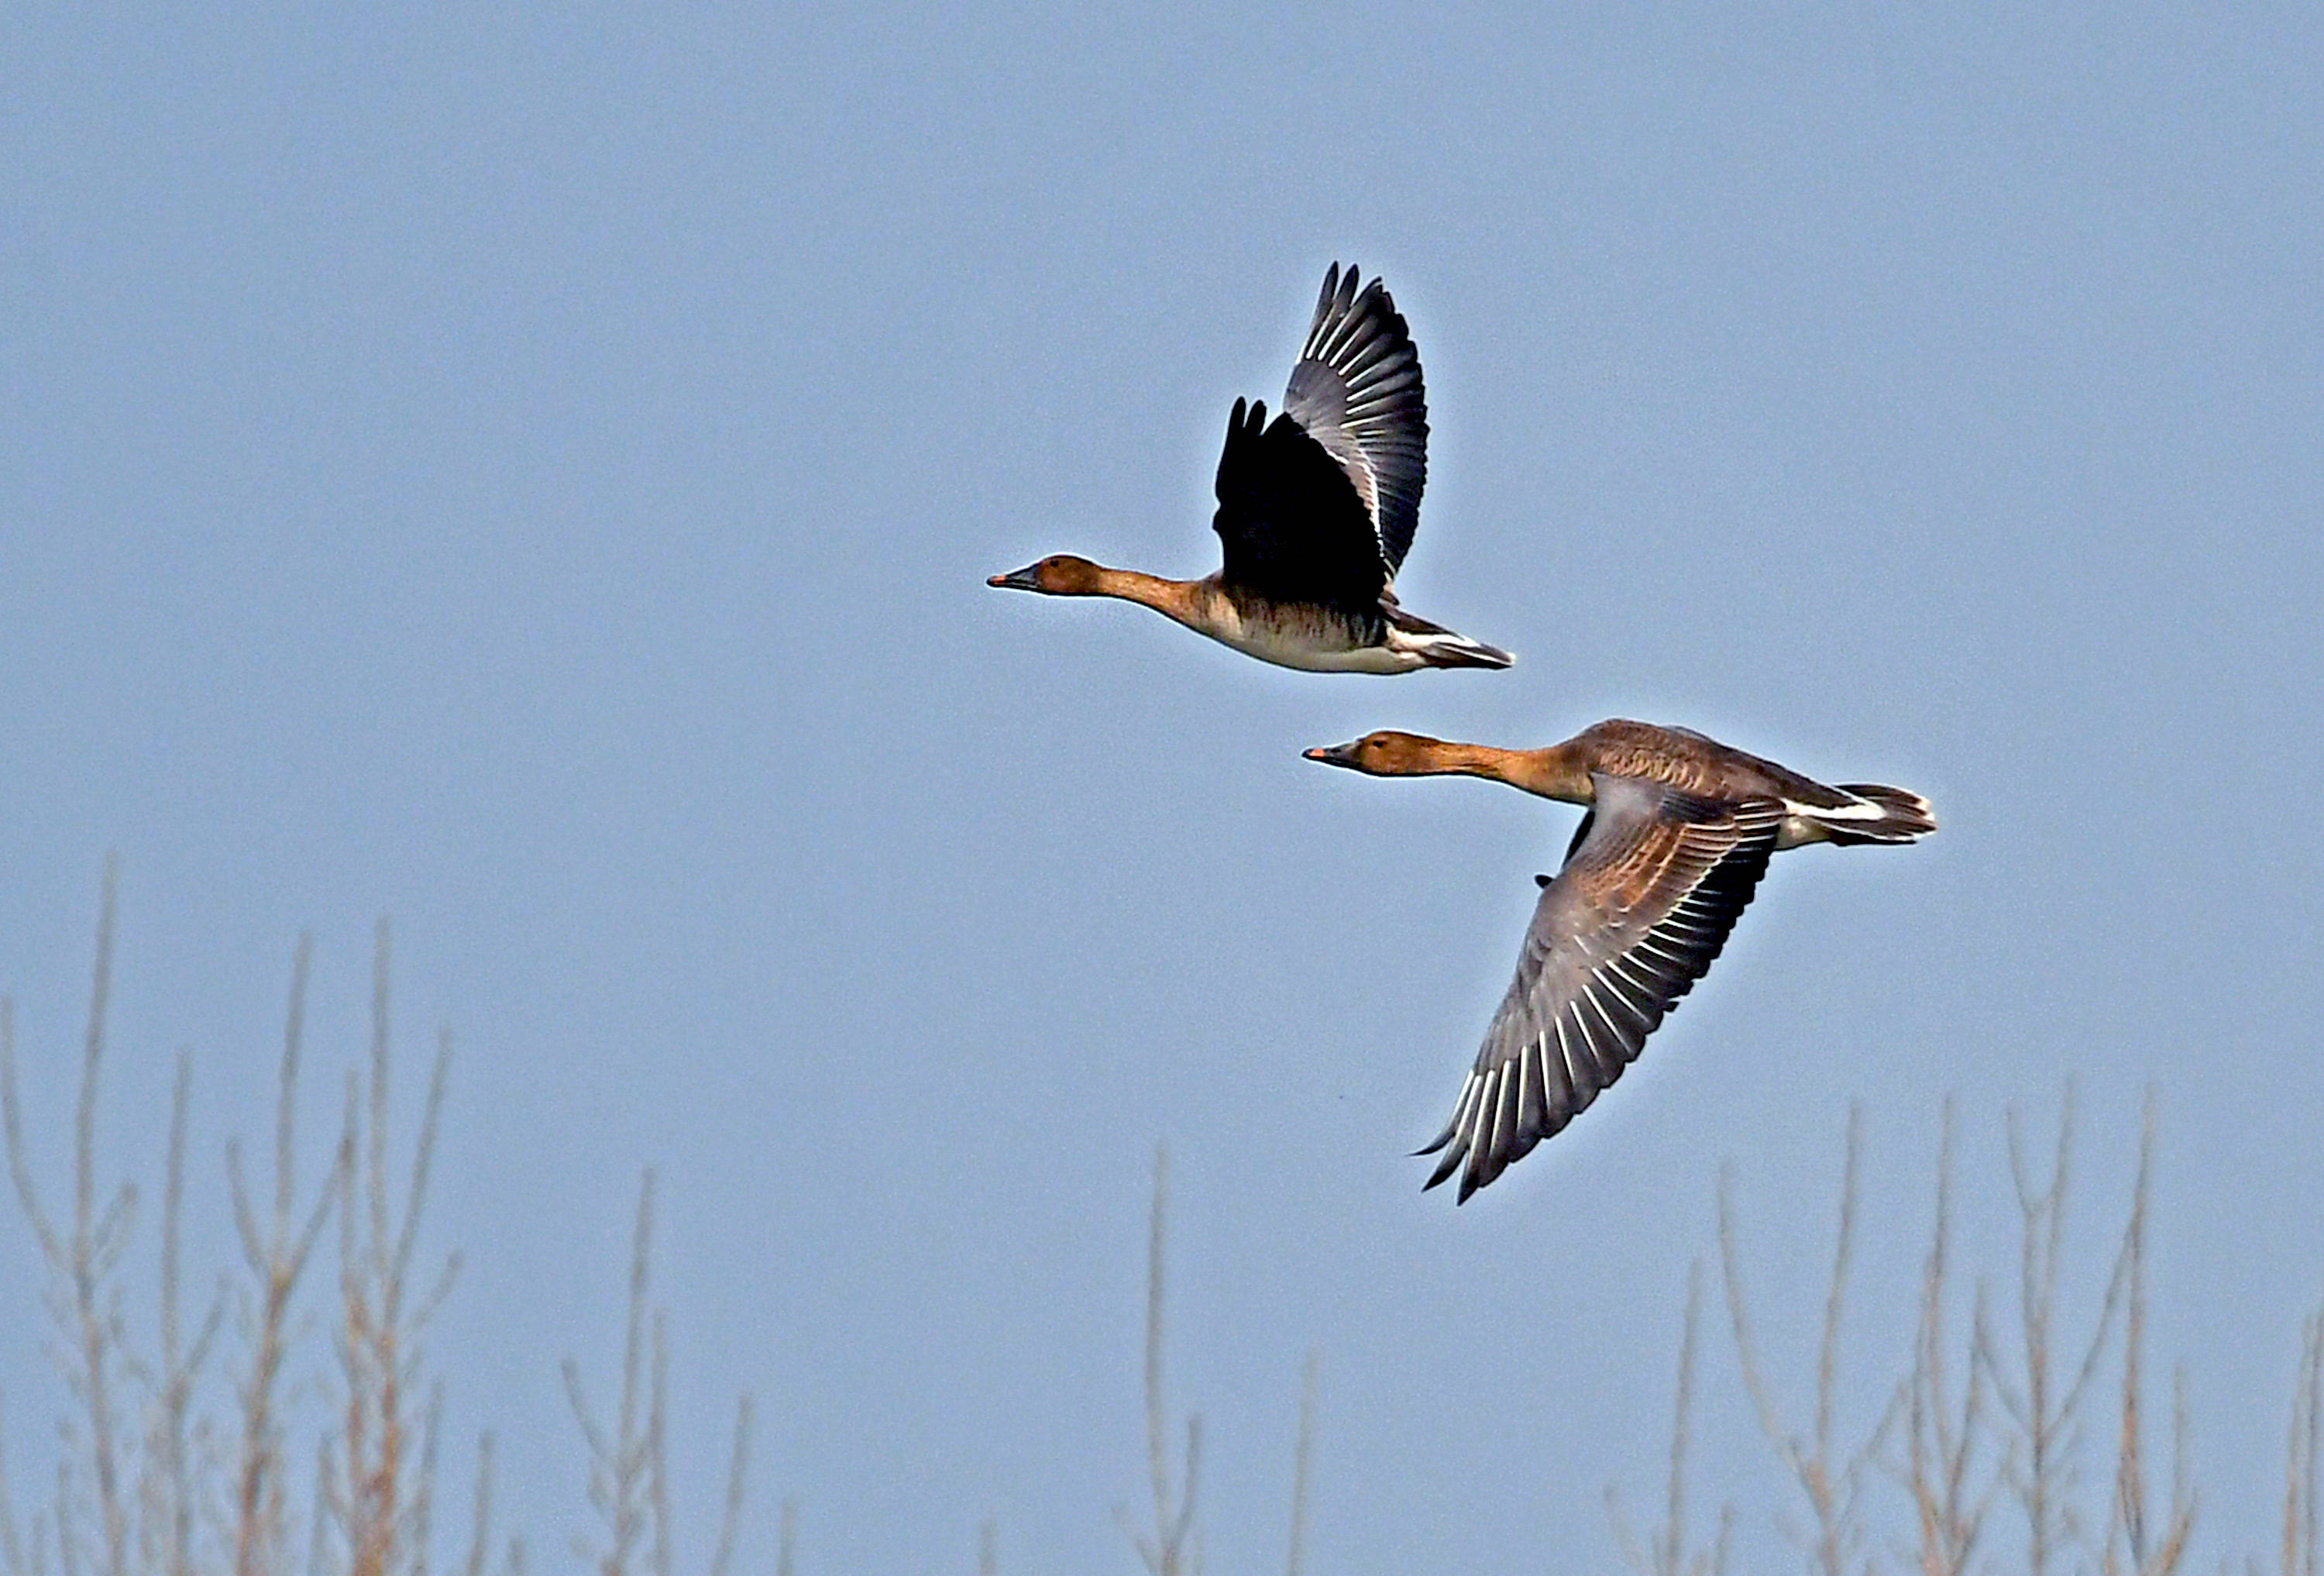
(169, 1466)
(1998, 1415)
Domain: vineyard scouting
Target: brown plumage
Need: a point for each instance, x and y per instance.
(1316, 510)
(1679, 831)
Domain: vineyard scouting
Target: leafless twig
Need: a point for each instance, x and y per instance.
(81, 1260)
(1303, 1457)
(276, 1256)
(1165, 1549)
(1668, 1553)
(1943, 1437)
(1832, 1486)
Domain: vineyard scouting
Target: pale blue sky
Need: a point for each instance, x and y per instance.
(530, 473)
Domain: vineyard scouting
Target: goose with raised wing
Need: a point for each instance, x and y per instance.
(1316, 510)
(1678, 832)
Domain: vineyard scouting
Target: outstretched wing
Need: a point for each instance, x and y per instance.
(1646, 900)
(1292, 525)
(1357, 391)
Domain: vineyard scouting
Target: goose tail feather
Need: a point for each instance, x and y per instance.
(1877, 814)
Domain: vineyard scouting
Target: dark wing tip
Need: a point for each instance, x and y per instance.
(1440, 1139)
(1339, 288)
(1358, 388)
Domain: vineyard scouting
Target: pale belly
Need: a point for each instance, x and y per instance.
(1310, 648)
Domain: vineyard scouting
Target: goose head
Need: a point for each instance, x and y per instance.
(1388, 754)
(1058, 575)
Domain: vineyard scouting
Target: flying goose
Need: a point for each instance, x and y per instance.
(1677, 836)
(1316, 509)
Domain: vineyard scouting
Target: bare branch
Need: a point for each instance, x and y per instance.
(389, 1488)
(20, 1169)
(1830, 1487)
(624, 1467)
(2301, 1479)
(1303, 1457)
(170, 1495)
(11, 1547)
(1842, 1256)
(2127, 1515)
(1165, 1549)
(1939, 1449)
(1671, 1547)
(657, 1436)
(423, 1155)
(90, 1250)
(1157, 1460)
(1667, 1554)
(1755, 1372)
(591, 1434)
(730, 1520)
(480, 1515)
(276, 1257)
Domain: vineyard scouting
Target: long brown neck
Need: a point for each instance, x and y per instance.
(1555, 773)
(1182, 600)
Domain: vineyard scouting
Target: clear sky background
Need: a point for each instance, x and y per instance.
(530, 473)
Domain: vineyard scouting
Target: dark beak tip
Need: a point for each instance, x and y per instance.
(1001, 580)
(1318, 753)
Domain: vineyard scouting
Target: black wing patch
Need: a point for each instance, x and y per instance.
(1292, 525)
